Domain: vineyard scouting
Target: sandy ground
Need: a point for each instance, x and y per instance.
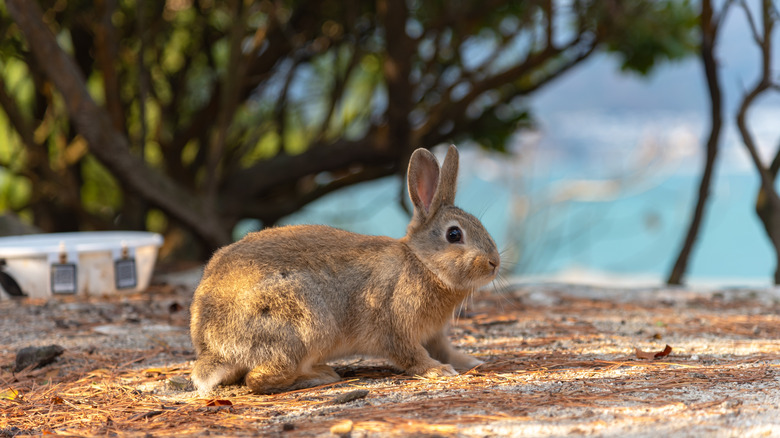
(560, 361)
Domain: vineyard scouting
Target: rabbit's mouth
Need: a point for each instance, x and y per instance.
(491, 277)
(491, 263)
(485, 269)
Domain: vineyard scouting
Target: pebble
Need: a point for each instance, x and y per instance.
(349, 396)
(342, 428)
(179, 382)
(38, 356)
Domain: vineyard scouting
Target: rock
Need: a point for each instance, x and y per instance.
(348, 397)
(180, 383)
(37, 356)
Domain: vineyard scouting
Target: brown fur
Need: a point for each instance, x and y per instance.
(273, 307)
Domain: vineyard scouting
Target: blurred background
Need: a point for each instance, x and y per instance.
(602, 141)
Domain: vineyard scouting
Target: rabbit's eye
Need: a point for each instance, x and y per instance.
(454, 235)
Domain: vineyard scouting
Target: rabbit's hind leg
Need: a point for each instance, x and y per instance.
(268, 379)
(209, 371)
(273, 374)
(319, 374)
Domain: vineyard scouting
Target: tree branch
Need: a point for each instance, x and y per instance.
(547, 7)
(14, 114)
(456, 111)
(747, 137)
(774, 168)
(37, 168)
(397, 67)
(231, 86)
(337, 92)
(143, 83)
(763, 84)
(752, 22)
(717, 19)
(271, 211)
(709, 25)
(266, 175)
(106, 54)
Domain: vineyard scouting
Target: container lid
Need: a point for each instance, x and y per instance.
(91, 241)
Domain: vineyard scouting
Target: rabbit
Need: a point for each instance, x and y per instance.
(275, 306)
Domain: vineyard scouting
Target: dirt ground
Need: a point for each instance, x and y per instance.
(561, 360)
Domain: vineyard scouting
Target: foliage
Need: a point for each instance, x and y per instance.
(238, 109)
(644, 33)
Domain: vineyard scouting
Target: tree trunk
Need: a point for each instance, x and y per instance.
(709, 30)
(768, 200)
(769, 213)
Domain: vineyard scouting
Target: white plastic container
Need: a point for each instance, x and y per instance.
(87, 263)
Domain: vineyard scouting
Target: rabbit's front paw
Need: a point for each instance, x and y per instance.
(464, 362)
(440, 371)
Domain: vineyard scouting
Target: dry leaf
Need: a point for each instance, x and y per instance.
(216, 402)
(9, 394)
(650, 355)
(664, 353)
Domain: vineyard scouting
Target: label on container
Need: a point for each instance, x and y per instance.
(124, 273)
(63, 278)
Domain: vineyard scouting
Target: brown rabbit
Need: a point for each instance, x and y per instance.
(273, 307)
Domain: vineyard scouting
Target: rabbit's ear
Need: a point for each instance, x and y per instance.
(448, 184)
(423, 180)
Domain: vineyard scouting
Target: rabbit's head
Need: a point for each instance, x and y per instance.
(453, 244)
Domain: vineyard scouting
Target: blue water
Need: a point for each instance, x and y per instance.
(642, 234)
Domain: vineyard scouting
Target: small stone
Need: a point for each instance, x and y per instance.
(179, 382)
(37, 356)
(349, 396)
(342, 428)
(288, 427)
